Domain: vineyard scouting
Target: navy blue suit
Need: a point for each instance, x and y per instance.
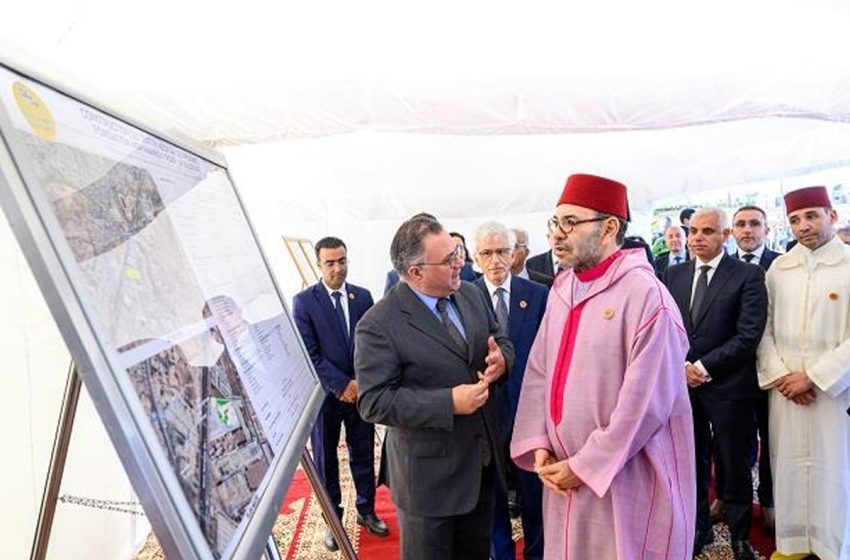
(765, 489)
(527, 305)
(724, 336)
(333, 357)
(662, 261)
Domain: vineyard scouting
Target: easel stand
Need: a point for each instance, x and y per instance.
(61, 443)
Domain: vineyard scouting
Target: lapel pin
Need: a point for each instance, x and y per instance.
(608, 313)
(523, 304)
(833, 296)
(350, 295)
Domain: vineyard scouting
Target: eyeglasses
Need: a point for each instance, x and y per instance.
(456, 255)
(487, 254)
(520, 247)
(568, 224)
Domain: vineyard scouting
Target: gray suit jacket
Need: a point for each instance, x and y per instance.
(406, 365)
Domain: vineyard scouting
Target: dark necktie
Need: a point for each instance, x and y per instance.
(699, 292)
(340, 314)
(749, 257)
(502, 311)
(442, 307)
(677, 260)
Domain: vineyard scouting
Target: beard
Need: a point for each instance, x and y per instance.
(585, 253)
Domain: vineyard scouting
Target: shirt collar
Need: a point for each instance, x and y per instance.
(757, 253)
(429, 301)
(491, 288)
(341, 290)
(712, 263)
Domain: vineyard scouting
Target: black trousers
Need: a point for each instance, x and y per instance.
(759, 447)
(732, 425)
(360, 438)
(457, 537)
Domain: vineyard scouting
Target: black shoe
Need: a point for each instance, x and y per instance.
(330, 541)
(741, 550)
(373, 524)
(702, 539)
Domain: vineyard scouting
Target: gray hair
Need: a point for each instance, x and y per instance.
(487, 229)
(519, 232)
(721, 216)
(678, 227)
(407, 247)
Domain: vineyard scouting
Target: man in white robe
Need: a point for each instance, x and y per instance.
(804, 361)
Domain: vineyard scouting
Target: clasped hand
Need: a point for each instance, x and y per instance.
(555, 475)
(797, 387)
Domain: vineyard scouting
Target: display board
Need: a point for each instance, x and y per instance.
(150, 266)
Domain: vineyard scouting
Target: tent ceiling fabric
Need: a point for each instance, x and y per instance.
(667, 95)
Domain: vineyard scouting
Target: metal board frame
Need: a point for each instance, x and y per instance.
(41, 239)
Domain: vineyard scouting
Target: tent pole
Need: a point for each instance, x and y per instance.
(53, 482)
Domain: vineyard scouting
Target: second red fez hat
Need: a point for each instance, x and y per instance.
(596, 193)
(809, 197)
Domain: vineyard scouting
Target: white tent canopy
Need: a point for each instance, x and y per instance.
(343, 118)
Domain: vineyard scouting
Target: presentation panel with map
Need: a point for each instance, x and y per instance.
(168, 274)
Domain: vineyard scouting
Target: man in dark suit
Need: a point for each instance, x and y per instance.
(724, 305)
(519, 305)
(750, 229)
(326, 315)
(676, 253)
(425, 357)
(544, 267)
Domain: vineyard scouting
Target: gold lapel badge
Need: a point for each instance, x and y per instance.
(833, 296)
(608, 313)
(350, 295)
(523, 304)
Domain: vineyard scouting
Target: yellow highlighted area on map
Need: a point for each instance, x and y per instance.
(35, 111)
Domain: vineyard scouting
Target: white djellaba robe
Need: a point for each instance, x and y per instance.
(808, 328)
(605, 388)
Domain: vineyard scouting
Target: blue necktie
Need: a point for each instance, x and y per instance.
(340, 314)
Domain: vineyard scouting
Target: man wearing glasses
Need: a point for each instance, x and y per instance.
(603, 417)
(425, 358)
(518, 305)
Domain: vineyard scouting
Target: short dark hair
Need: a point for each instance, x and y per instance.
(329, 243)
(466, 257)
(750, 207)
(407, 247)
(622, 226)
(686, 215)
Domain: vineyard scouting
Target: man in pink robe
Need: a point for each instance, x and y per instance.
(604, 417)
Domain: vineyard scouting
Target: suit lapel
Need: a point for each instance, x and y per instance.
(517, 313)
(682, 292)
(423, 319)
(718, 281)
(467, 317)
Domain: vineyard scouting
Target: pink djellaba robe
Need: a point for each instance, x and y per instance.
(618, 411)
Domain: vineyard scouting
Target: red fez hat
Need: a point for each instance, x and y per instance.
(596, 193)
(809, 197)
